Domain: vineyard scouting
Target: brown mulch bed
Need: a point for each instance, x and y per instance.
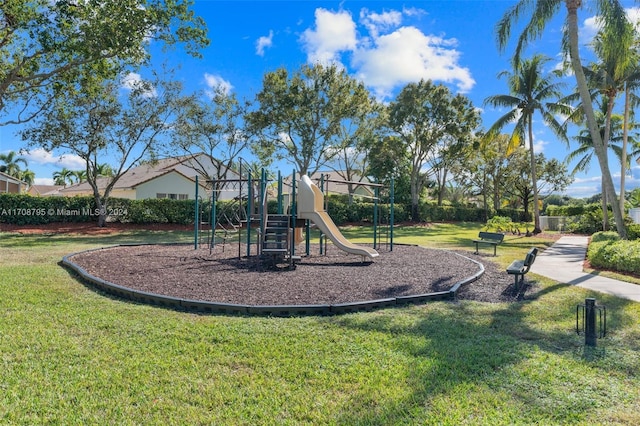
(180, 271)
(333, 278)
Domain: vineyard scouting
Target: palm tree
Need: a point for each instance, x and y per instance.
(612, 18)
(27, 176)
(11, 166)
(104, 170)
(529, 91)
(79, 175)
(584, 152)
(63, 177)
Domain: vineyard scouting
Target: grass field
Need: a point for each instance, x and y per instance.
(70, 355)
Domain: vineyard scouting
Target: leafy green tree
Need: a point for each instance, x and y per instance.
(11, 163)
(299, 116)
(531, 92)
(612, 17)
(481, 166)
(449, 148)
(553, 176)
(349, 156)
(422, 115)
(213, 127)
(27, 176)
(95, 124)
(63, 177)
(44, 43)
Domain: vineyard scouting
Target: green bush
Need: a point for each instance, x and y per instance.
(605, 236)
(499, 223)
(620, 255)
(633, 231)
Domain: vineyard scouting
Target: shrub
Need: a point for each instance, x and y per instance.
(620, 255)
(499, 223)
(633, 231)
(605, 236)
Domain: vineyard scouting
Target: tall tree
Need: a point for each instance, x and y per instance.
(449, 148)
(63, 177)
(531, 92)
(299, 116)
(213, 127)
(96, 124)
(553, 176)
(11, 163)
(422, 115)
(612, 16)
(349, 156)
(43, 43)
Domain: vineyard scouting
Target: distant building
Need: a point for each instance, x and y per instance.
(334, 183)
(44, 190)
(11, 185)
(172, 178)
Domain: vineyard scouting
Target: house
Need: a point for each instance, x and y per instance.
(10, 184)
(173, 178)
(44, 190)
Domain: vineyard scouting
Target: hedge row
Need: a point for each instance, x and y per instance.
(607, 251)
(22, 209)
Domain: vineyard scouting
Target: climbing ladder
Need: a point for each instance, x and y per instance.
(275, 241)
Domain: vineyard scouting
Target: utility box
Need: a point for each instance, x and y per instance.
(635, 214)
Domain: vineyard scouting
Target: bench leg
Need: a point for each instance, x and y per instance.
(495, 246)
(476, 248)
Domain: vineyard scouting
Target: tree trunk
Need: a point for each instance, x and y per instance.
(625, 138)
(572, 26)
(415, 197)
(534, 180)
(604, 205)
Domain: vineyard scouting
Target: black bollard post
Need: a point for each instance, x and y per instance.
(590, 335)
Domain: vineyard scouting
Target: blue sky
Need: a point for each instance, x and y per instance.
(386, 44)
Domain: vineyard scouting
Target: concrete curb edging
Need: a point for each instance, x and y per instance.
(206, 307)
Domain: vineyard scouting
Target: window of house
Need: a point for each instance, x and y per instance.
(172, 196)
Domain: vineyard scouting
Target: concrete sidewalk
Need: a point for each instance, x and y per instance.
(563, 262)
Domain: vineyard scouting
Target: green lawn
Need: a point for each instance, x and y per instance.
(72, 356)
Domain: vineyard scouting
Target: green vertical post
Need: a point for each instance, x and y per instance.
(294, 213)
(279, 192)
(391, 200)
(214, 218)
(196, 219)
(376, 194)
(249, 210)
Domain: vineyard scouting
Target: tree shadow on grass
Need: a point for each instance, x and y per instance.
(465, 343)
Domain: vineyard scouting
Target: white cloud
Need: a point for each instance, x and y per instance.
(43, 157)
(216, 82)
(133, 81)
(334, 33)
(44, 181)
(376, 22)
(264, 42)
(407, 55)
(387, 56)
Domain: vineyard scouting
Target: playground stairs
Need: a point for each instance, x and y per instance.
(275, 240)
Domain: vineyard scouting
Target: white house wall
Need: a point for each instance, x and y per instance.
(170, 183)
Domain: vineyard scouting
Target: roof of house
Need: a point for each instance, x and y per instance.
(138, 175)
(44, 189)
(13, 179)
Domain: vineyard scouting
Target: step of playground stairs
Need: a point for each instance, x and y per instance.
(274, 250)
(274, 246)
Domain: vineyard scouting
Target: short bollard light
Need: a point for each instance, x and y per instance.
(588, 316)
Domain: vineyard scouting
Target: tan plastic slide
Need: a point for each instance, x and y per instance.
(311, 206)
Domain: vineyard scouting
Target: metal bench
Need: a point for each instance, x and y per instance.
(519, 268)
(489, 238)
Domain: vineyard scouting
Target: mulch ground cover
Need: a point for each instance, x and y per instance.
(227, 275)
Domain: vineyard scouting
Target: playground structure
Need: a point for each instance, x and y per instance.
(276, 235)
